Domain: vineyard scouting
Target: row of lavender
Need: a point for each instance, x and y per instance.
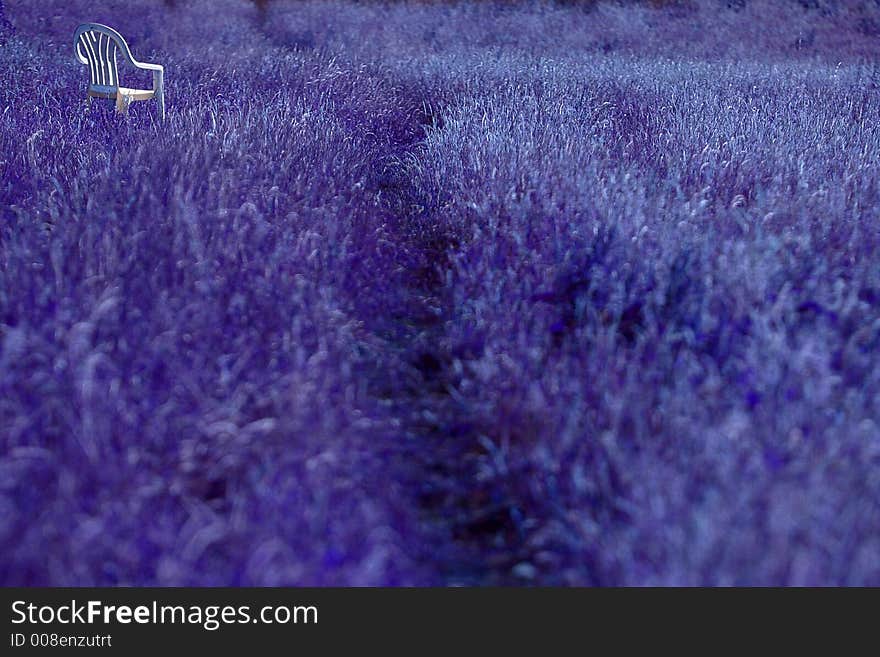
(428, 293)
(664, 317)
(188, 391)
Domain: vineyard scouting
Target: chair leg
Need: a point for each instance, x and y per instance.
(161, 97)
(159, 89)
(121, 104)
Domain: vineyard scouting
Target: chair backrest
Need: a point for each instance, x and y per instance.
(97, 46)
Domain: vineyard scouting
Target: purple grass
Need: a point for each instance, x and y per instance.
(443, 293)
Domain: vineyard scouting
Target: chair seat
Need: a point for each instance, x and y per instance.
(137, 94)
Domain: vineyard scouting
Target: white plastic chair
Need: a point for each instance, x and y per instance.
(97, 46)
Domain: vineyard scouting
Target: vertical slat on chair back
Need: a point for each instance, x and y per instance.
(100, 50)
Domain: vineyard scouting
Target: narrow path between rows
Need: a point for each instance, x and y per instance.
(477, 541)
(472, 538)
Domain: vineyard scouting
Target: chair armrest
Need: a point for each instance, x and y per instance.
(148, 67)
(158, 74)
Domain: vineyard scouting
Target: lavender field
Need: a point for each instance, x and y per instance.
(443, 293)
